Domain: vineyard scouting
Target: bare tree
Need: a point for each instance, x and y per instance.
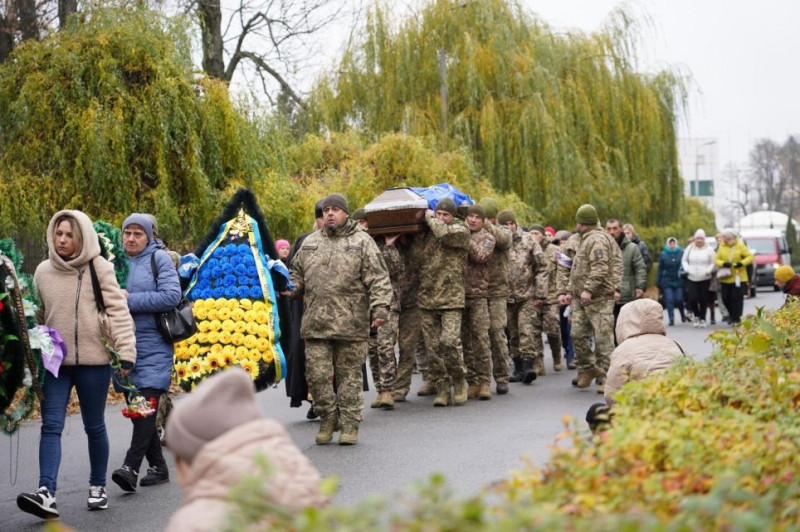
(65, 9)
(789, 161)
(769, 181)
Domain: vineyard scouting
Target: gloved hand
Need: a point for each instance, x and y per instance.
(726, 264)
(737, 264)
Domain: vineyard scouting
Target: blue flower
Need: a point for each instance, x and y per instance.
(243, 292)
(229, 280)
(230, 250)
(227, 269)
(256, 293)
(236, 260)
(240, 270)
(203, 284)
(212, 262)
(243, 249)
(248, 260)
(219, 252)
(252, 272)
(204, 273)
(218, 292)
(230, 292)
(216, 273)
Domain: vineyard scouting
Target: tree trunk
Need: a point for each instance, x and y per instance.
(6, 38)
(26, 13)
(65, 9)
(211, 26)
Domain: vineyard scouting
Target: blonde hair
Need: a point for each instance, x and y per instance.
(77, 234)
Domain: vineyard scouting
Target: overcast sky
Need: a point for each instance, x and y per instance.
(742, 55)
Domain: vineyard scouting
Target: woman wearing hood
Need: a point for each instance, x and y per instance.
(733, 258)
(153, 287)
(669, 280)
(68, 305)
(643, 346)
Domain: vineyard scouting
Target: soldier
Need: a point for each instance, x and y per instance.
(634, 271)
(527, 283)
(546, 317)
(498, 294)
(411, 347)
(344, 279)
(441, 299)
(595, 275)
(475, 319)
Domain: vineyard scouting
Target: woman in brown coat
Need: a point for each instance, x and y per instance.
(68, 305)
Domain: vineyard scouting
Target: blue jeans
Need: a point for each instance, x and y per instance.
(566, 334)
(673, 298)
(91, 383)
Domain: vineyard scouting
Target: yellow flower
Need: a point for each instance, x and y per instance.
(224, 314)
(267, 356)
(250, 367)
(181, 353)
(262, 344)
(228, 326)
(220, 303)
(224, 337)
(213, 337)
(201, 337)
(200, 303)
(200, 313)
(181, 371)
(229, 351)
(242, 353)
(233, 304)
(252, 327)
(237, 339)
(264, 331)
(241, 327)
(214, 325)
(202, 350)
(215, 361)
(196, 368)
(250, 341)
(249, 316)
(202, 325)
(216, 348)
(194, 350)
(237, 315)
(212, 314)
(262, 317)
(245, 304)
(259, 305)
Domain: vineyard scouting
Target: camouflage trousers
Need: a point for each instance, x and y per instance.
(341, 360)
(411, 347)
(520, 329)
(475, 339)
(546, 320)
(498, 339)
(594, 320)
(382, 361)
(442, 332)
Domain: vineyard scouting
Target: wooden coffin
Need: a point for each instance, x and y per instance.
(396, 210)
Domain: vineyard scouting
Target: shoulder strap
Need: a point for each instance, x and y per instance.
(153, 267)
(98, 293)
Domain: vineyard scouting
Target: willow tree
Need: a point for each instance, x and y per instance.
(108, 116)
(558, 118)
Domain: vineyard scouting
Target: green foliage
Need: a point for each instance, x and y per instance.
(107, 116)
(560, 119)
(701, 446)
(693, 216)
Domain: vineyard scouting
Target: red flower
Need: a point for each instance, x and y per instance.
(1, 305)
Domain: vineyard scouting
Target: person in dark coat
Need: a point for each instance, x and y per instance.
(147, 296)
(669, 279)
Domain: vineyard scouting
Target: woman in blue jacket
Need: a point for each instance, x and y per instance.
(147, 296)
(669, 278)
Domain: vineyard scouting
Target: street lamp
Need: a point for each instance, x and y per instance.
(697, 166)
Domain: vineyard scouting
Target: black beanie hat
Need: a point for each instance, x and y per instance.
(318, 209)
(359, 214)
(336, 200)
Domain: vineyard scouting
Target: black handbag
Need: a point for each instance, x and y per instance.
(177, 324)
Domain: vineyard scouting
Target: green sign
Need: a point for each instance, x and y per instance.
(706, 188)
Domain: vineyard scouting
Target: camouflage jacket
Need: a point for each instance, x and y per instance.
(597, 267)
(408, 283)
(551, 262)
(444, 258)
(498, 264)
(476, 280)
(344, 281)
(565, 258)
(395, 265)
(527, 271)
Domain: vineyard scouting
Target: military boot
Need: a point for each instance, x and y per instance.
(502, 388)
(472, 391)
(459, 392)
(387, 400)
(377, 402)
(538, 366)
(586, 378)
(557, 365)
(349, 435)
(326, 430)
(427, 388)
(518, 375)
(485, 392)
(529, 374)
(443, 394)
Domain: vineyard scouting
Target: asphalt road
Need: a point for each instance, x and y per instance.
(472, 445)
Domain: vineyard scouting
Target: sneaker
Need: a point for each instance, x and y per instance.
(155, 475)
(125, 478)
(98, 500)
(695, 322)
(703, 324)
(40, 503)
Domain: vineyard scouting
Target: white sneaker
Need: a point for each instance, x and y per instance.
(695, 322)
(703, 324)
(98, 500)
(40, 503)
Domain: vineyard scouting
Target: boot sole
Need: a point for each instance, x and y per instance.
(529, 378)
(123, 483)
(147, 483)
(31, 507)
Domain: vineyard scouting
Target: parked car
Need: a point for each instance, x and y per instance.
(771, 251)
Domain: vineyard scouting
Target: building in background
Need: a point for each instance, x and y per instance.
(700, 170)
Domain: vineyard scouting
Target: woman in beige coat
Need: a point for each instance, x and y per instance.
(219, 437)
(643, 346)
(68, 305)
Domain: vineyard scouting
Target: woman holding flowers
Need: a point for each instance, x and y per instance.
(68, 305)
(152, 287)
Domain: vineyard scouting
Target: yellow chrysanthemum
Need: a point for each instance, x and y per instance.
(259, 305)
(237, 339)
(182, 343)
(212, 337)
(251, 327)
(233, 304)
(250, 341)
(237, 314)
(240, 327)
(181, 371)
(214, 325)
(212, 314)
(267, 356)
(264, 331)
(249, 316)
(194, 350)
(242, 353)
(216, 348)
(229, 351)
(202, 337)
(224, 337)
(215, 362)
(198, 304)
(202, 350)
(224, 314)
(262, 344)
(250, 367)
(202, 325)
(261, 317)
(220, 303)
(181, 353)
(228, 326)
(245, 304)
(200, 313)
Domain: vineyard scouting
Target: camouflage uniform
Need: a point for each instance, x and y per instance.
(441, 298)
(597, 269)
(382, 360)
(475, 319)
(342, 276)
(545, 318)
(527, 282)
(410, 343)
(498, 299)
